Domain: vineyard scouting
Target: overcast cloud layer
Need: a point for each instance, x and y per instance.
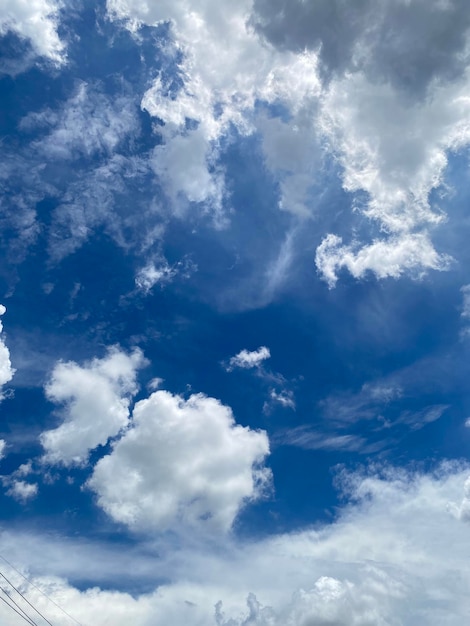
(234, 351)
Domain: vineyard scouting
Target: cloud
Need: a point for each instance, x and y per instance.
(183, 463)
(160, 272)
(409, 44)
(396, 554)
(391, 174)
(151, 275)
(466, 301)
(93, 200)
(89, 124)
(309, 439)
(345, 78)
(418, 419)
(6, 370)
(224, 70)
(465, 311)
(280, 395)
(18, 488)
(284, 397)
(96, 398)
(36, 21)
(408, 253)
(247, 359)
(77, 155)
(22, 491)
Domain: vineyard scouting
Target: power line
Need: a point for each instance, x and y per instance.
(25, 599)
(27, 619)
(40, 590)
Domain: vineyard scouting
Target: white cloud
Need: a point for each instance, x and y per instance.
(89, 124)
(466, 301)
(396, 555)
(465, 313)
(90, 202)
(35, 20)
(392, 143)
(284, 398)
(18, 488)
(6, 370)
(96, 398)
(392, 257)
(247, 359)
(22, 491)
(309, 439)
(183, 463)
(346, 78)
(151, 275)
(225, 69)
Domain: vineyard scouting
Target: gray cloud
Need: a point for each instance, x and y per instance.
(406, 43)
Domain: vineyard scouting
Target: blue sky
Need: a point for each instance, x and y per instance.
(236, 311)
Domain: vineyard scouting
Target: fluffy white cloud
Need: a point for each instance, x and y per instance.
(226, 69)
(182, 463)
(247, 359)
(6, 370)
(22, 491)
(408, 253)
(18, 488)
(396, 555)
(355, 83)
(35, 20)
(96, 398)
(390, 112)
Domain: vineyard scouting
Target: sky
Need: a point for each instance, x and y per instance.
(235, 311)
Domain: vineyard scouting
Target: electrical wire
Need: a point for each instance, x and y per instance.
(25, 599)
(27, 619)
(40, 590)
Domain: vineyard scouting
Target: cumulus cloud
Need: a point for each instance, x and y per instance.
(96, 399)
(17, 488)
(6, 370)
(36, 21)
(247, 359)
(22, 491)
(346, 79)
(225, 69)
(183, 463)
(408, 253)
(406, 43)
(396, 554)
